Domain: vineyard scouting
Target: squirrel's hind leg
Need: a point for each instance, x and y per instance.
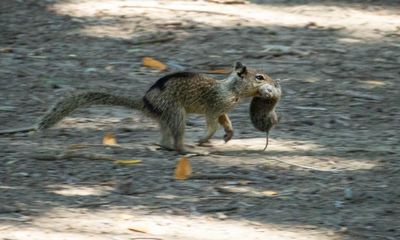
(173, 122)
(166, 137)
(212, 127)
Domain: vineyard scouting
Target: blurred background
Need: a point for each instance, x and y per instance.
(338, 62)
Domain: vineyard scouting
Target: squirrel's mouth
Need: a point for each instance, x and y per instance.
(268, 91)
(264, 94)
(273, 95)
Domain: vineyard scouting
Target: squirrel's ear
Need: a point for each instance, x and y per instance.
(240, 69)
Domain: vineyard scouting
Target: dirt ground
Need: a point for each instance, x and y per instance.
(338, 62)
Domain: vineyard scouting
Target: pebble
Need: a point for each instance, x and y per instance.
(348, 193)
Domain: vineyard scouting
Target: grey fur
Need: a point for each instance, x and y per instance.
(172, 98)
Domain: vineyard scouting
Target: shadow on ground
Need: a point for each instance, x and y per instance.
(336, 91)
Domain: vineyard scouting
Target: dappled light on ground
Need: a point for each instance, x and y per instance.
(358, 23)
(330, 171)
(122, 224)
(70, 190)
(305, 153)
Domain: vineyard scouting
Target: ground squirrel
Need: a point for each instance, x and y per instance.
(171, 98)
(262, 108)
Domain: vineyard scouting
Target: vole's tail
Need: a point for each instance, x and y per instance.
(73, 102)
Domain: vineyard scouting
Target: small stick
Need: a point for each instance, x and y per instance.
(306, 167)
(17, 130)
(221, 177)
(87, 145)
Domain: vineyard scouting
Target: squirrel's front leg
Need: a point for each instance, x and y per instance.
(227, 124)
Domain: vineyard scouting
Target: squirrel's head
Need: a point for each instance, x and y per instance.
(252, 82)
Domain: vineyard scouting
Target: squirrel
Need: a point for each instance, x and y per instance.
(170, 99)
(262, 109)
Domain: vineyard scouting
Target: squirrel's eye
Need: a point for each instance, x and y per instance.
(260, 77)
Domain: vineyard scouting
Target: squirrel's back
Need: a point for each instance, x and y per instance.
(196, 93)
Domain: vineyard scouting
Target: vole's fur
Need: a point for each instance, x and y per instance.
(262, 108)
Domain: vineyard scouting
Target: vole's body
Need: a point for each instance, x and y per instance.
(262, 109)
(174, 96)
(262, 115)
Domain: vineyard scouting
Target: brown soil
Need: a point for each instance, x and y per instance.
(338, 62)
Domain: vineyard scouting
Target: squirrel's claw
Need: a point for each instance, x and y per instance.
(228, 136)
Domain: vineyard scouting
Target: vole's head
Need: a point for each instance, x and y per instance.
(250, 82)
(270, 91)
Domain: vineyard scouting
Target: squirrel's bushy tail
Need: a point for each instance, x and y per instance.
(75, 101)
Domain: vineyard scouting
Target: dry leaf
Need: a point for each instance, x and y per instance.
(109, 139)
(127, 162)
(183, 169)
(153, 63)
(219, 71)
(138, 229)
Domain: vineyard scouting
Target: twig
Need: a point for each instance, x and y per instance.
(146, 238)
(20, 218)
(310, 108)
(306, 167)
(228, 1)
(38, 99)
(220, 209)
(17, 130)
(89, 156)
(155, 40)
(221, 176)
(69, 155)
(87, 145)
(356, 94)
(91, 204)
(290, 62)
(183, 10)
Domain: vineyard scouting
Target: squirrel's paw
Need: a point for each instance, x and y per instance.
(204, 143)
(228, 136)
